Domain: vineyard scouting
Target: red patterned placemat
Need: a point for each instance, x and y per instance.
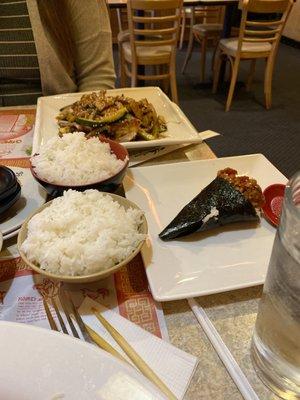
(128, 288)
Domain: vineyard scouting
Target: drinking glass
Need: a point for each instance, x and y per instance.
(275, 348)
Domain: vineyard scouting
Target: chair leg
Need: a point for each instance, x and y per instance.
(183, 25)
(191, 42)
(216, 69)
(165, 82)
(234, 75)
(203, 58)
(251, 74)
(188, 54)
(133, 75)
(214, 57)
(268, 81)
(173, 82)
(122, 67)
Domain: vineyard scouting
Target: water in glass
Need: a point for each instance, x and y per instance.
(276, 339)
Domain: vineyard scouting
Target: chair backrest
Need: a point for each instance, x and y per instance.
(154, 23)
(209, 14)
(268, 30)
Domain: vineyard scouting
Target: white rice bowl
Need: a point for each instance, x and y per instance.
(82, 233)
(75, 160)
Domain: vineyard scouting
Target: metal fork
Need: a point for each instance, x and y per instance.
(92, 337)
(88, 334)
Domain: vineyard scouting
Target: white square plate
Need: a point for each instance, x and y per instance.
(203, 263)
(180, 130)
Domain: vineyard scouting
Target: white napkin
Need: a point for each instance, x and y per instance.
(137, 157)
(172, 365)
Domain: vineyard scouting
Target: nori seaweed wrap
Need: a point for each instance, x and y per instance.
(220, 203)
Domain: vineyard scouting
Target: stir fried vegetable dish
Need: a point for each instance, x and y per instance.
(118, 117)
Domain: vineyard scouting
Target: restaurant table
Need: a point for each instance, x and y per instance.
(188, 3)
(233, 314)
(229, 4)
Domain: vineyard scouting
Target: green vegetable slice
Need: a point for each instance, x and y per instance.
(146, 136)
(106, 119)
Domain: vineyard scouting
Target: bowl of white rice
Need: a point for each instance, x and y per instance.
(76, 162)
(82, 236)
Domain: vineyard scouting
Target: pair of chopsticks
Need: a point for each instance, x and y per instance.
(129, 351)
(223, 352)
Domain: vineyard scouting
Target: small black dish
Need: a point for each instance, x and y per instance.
(9, 192)
(8, 182)
(10, 200)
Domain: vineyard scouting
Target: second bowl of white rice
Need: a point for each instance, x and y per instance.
(82, 236)
(75, 162)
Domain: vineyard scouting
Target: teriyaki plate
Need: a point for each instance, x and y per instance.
(230, 258)
(180, 130)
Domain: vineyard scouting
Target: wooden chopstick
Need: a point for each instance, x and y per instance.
(135, 358)
(49, 316)
(104, 344)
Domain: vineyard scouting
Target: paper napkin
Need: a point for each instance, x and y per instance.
(141, 155)
(174, 366)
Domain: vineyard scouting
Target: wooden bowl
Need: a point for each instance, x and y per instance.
(110, 184)
(83, 278)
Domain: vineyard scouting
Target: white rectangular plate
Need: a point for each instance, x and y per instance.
(203, 263)
(180, 130)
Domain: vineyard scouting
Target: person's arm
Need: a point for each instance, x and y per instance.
(91, 33)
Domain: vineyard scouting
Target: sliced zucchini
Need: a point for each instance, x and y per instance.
(145, 135)
(109, 117)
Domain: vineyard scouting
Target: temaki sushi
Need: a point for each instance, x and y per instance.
(227, 199)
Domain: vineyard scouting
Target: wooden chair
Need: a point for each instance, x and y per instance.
(187, 15)
(257, 39)
(153, 41)
(209, 29)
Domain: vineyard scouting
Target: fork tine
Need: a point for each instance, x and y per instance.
(88, 333)
(66, 311)
(61, 321)
(51, 321)
(78, 318)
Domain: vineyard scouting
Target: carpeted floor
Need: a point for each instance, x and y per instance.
(249, 127)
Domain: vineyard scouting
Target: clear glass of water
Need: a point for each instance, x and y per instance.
(275, 347)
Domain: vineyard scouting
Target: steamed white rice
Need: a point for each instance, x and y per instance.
(75, 160)
(82, 233)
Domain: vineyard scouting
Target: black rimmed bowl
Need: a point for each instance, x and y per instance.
(8, 182)
(10, 200)
(10, 189)
(110, 185)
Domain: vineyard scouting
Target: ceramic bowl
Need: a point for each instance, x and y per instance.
(8, 183)
(83, 278)
(108, 185)
(274, 195)
(10, 200)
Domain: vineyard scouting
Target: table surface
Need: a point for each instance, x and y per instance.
(122, 3)
(233, 314)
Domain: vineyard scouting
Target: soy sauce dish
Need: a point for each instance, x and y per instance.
(76, 162)
(274, 195)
